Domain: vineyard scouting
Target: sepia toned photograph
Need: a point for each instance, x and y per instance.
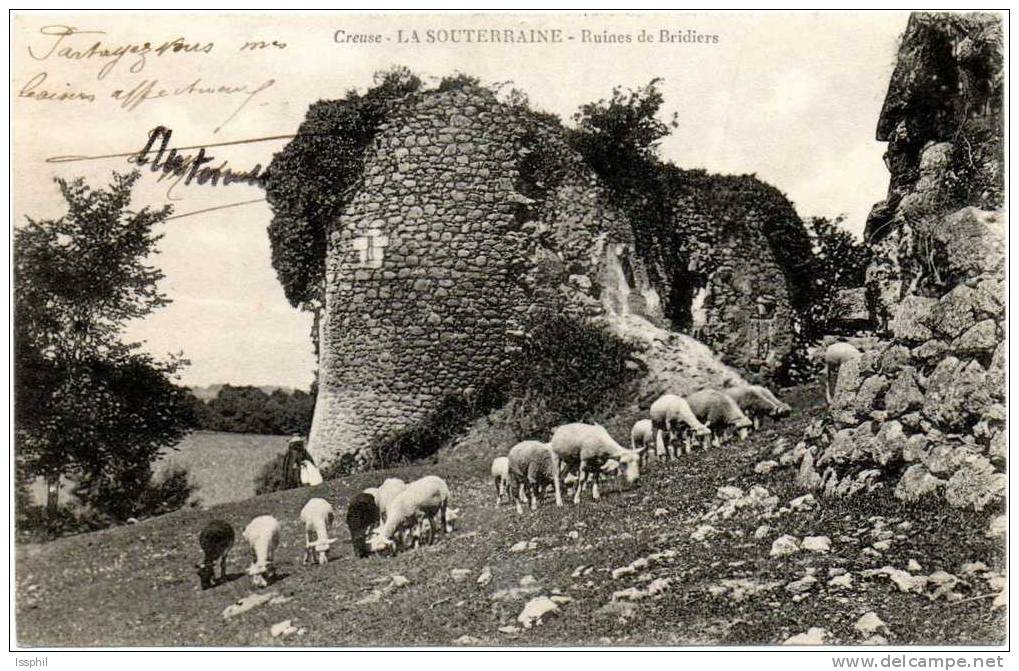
(509, 329)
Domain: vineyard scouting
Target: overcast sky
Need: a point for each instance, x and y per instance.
(793, 98)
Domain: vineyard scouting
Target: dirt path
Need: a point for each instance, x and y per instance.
(135, 585)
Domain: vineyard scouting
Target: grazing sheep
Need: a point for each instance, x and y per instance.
(532, 467)
(362, 516)
(756, 402)
(500, 475)
(672, 419)
(836, 355)
(720, 413)
(317, 516)
(587, 447)
(386, 492)
(425, 498)
(216, 539)
(263, 535)
(642, 435)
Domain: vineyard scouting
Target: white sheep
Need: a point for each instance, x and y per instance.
(263, 536)
(386, 492)
(426, 498)
(500, 476)
(719, 413)
(532, 467)
(836, 355)
(642, 435)
(756, 402)
(585, 448)
(317, 515)
(672, 419)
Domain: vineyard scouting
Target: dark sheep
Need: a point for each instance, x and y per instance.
(216, 539)
(362, 516)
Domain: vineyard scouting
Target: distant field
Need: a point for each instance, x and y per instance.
(223, 465)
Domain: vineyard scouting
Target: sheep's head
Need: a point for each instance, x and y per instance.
(381, 544)
(259, 574)
(629, 466)
(206, 574)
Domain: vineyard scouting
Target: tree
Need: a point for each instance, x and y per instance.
(839, 262)
(88, 405)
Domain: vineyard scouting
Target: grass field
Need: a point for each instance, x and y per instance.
(223, 465)
(135, 585)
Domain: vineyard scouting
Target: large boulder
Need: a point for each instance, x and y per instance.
(911, 318)
(917, 483)
(889, 443)
(954, 312)
(956, 394)
(870, 394)
(848, 446)
(976, 484)
(972, 242)
(981, 338)
(847, 383)
(903, 394)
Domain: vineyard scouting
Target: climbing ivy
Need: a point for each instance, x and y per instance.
(315, 176)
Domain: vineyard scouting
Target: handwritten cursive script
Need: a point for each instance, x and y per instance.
(189, 167)
(64, 42)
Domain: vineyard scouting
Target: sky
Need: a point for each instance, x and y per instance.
(791, 97)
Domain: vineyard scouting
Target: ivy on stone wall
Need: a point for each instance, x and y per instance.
(310, 181)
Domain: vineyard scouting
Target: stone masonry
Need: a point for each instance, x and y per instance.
(453, 242)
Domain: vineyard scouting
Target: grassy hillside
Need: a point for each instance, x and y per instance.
(135, 586)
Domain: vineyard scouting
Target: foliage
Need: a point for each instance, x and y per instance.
(619, 137)
(270, 477)
(87, 405)
(458, 80)
(246, 409)
(314, 177)
(839, 262)
(171, 491)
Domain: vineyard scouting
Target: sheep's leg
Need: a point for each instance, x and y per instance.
(222, 564)
(518, 487)
(829, 386)
(581, 479)
(757, 422)
(446, 526)
(558, 492)
(498, 491)
(533, 492)
(595, 494)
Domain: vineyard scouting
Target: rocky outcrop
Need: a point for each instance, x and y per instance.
(476, 217)
(925, 403)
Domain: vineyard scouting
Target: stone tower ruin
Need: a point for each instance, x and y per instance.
(457, 236)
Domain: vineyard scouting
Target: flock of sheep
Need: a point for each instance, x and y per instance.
(396, 515)
(581, 454)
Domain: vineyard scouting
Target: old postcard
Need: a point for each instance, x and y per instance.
(510, 329)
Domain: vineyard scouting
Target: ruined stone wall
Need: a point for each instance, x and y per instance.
(473, 218)
(747, 315)
(434, 267)
(923, 410)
